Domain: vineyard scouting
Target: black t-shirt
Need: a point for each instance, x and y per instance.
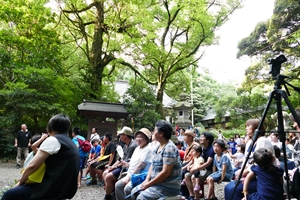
(23, 138)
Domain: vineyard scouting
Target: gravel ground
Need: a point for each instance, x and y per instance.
(9, 173)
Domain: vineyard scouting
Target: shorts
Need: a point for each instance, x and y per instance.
(217, 176)
(82, 163)
(116, 172)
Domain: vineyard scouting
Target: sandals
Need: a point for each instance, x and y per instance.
(197, 188)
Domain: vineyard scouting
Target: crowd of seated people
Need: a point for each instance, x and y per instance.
(201, 162)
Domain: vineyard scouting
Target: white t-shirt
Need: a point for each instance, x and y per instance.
(239, 156)
(94, 136)
(140, 155)
(50, 145)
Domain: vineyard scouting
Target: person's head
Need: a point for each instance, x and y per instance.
(219, 146)
(252, 125)
(287, 141)
(242, 140)
(23, 127)
(231, 139)
(181, 130)
(142, 137)
(241, 148)
(237, 135)
(206, 139)
(75, 131)
(274, 137)
(179, 145)
(125, 134)
(263, 158)
(197, 140)
(197, 151)
(189, 136)
(94, 130)
(295, 124)
(101, 140)
(35, 138)
(107, 138)
(220, 132)
(95, 142)
(59, 123)
(163, 130)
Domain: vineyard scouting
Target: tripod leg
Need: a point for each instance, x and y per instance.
(282, 135)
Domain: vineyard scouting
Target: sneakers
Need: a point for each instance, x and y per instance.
(101, 183)
(91, 182)
(197, 188)
(18, 166)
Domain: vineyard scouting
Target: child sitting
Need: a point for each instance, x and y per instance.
(94, 153)
(269, 177)
(238, 157)
(197, 161)
(36, 141)
(222, 169)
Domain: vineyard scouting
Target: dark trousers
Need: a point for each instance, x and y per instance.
(238, 194)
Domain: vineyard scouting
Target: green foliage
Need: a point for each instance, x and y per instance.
(139, 100)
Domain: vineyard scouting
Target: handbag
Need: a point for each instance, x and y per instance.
(137, 179)
(36, 176)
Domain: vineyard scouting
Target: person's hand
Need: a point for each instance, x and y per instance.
(17, 184)
(126, 180)
(16, 145)
(220, 181)
(29, 145)
(145, 185)
(44, 136)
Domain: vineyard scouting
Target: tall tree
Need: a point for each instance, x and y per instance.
(154, 39)
(169, 37)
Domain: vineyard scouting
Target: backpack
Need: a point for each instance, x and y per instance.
(85, 145)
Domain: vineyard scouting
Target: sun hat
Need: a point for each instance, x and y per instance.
(125, 130)
(190, 132)
(145, 131)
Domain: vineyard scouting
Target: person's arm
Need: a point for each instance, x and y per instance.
(247, 180)
(111, 158)
(206, 164)
(189, 164)
(35, 145)
(35, 163)
(163, 175)
(224, 168)
(16, 142)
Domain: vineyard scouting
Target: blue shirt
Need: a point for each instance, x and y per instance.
(96, 151)
(224, 160)
(81, 153)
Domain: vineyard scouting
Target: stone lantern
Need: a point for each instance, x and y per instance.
(183, 112)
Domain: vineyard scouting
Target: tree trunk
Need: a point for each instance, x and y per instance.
(159, 98)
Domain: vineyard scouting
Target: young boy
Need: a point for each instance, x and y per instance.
(222, 169)
(94, 153)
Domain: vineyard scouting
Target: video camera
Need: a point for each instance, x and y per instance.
(275, 65)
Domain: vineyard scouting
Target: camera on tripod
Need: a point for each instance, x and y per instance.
(275, 65)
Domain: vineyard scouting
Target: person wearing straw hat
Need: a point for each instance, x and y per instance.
(140, 162)
(111, 174)
(163, 178)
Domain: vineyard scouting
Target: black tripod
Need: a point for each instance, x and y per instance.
(277, 94)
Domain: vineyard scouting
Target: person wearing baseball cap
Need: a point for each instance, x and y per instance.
(111, 174)
(140, 161)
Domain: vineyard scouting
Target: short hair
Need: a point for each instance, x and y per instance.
(198, 148)
(255, 123)
(209, 136)
(76, 130)
(221, 143)
(94, 140)
(35, 138)
(59, 123)
(243, 148)
(108, 136)
(263, 158)
(95, 128)
(164, 127)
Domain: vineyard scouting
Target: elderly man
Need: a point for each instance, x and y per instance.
(22, 142)
(111, 174)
